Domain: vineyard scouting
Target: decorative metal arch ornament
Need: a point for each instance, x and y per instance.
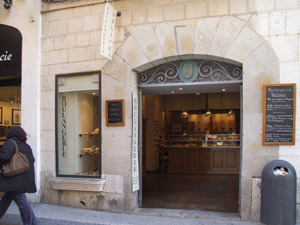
(191, 71)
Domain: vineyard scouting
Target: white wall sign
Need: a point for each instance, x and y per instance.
(108, 31)
(135, 158)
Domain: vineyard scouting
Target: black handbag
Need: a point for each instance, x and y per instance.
(17, 165)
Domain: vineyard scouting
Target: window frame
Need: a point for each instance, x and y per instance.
(57, 125)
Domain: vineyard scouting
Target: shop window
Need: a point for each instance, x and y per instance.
(78, 125)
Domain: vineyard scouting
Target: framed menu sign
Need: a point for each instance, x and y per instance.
(115, 112)
(279, 114)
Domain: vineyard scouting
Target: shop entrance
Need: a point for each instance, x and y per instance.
(192, 145)
(10, 78)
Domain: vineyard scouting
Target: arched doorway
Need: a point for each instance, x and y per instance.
(191, 155)
(226, 39)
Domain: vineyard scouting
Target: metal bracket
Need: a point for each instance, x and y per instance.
(118, 13)
(7, 4)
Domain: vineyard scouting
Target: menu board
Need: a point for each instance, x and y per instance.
(279, 114)
(115, 112)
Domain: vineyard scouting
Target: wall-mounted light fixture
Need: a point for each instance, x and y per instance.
(7, 4)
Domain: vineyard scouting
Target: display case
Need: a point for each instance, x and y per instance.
(198, 140)
(160, 146)
(89, 143)
(78, 125)
(198, 153)
(89, 152)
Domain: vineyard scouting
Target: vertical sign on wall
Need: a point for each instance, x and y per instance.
(135, 158)
(64, 126)
(108, 31)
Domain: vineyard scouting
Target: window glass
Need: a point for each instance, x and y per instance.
(78, 125)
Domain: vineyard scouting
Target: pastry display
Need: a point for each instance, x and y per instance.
(86, 150)
(96, 131)
(89, 153)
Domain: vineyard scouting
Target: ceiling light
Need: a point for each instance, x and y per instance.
(94, 93)
(180, 89)
(208, 114)
(231, 113)
(197, 93)
(223, 89)
(172, 92)
(185, 114)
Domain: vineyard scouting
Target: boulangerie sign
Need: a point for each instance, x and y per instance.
(10, 52)
(135, 156)
(108, 31)
(64, 125)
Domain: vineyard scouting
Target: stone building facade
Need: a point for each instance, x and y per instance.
(260, 35)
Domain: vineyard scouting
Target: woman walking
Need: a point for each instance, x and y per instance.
(16, 186)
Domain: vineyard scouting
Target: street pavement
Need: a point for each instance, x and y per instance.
(48, 214)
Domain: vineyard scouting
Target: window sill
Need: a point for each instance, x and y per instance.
(68, 184)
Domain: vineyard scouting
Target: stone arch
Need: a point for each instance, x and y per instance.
(227, 39)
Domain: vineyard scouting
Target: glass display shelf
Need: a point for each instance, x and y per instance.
(90, 145)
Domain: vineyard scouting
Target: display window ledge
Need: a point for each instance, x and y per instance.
(69, 184)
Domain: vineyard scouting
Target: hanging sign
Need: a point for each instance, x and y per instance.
(279, 114)
(108, 31)
(134, 153)
(10, 52)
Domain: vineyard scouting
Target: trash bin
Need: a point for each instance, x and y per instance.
(278, 194)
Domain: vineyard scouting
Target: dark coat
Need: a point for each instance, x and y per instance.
(24, 182)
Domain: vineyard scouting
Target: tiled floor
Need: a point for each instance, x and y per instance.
(218, 193)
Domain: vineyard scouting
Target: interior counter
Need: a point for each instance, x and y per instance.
(204, 160)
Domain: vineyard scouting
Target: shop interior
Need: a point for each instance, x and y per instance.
(10, 109)
(191, 151)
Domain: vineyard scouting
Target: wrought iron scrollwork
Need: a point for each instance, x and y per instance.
(208, 71)
(166, 73)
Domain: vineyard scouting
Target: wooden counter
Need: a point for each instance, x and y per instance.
(204, 160)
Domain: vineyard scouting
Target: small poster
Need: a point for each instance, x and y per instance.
(16, 117)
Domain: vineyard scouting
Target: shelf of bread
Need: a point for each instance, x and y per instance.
(89, 151)
(95, 132)
(93, 171)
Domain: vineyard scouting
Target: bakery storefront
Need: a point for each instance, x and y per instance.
(10, 79)
(191, 114)
(173, 120)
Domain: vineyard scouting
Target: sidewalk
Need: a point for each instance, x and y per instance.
(48, 214)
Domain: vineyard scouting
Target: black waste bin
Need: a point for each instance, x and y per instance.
(278, 194)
